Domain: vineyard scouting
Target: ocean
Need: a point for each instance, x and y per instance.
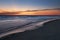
(21, 23)
(11, 17)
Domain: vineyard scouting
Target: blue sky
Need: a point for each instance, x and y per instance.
(29, 4)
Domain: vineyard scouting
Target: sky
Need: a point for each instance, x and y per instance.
(23, 5)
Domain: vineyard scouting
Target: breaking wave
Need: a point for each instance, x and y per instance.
(15, 26)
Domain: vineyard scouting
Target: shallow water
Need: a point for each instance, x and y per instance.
(9, 23)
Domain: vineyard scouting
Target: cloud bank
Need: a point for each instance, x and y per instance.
(55, 11)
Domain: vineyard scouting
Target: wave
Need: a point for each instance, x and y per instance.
(28, 25)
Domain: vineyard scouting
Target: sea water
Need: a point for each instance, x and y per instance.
(9, 23)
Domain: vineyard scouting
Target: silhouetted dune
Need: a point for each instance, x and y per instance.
(49, 31)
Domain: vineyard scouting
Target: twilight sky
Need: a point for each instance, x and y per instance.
(28, 4)
(22, 5)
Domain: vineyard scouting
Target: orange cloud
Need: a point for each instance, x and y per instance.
(46, 12)
(27, 13)
(34, 12)
(8, 13)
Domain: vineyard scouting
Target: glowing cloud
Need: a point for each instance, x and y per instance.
(41, 12)
(32, 12)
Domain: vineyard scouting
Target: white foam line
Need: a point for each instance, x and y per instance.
(27, 27)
